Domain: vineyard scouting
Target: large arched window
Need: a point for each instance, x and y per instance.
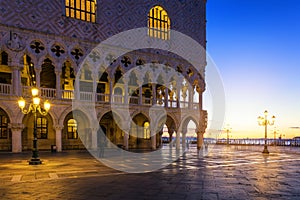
(81, 9)
(42, 128)
(159, 23)
(146, 130)
(72, 129)
(3, 125)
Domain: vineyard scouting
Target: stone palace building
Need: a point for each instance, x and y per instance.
(43, 43)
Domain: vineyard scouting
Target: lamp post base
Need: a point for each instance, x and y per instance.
(265, 150)
(35, 161)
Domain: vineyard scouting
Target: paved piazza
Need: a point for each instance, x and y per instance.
(226, 172)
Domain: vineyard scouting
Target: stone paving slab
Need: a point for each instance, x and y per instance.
(227, 172)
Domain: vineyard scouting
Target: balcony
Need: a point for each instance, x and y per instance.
(68, 95)
(5, 89)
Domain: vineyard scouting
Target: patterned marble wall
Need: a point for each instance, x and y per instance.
(113, 16)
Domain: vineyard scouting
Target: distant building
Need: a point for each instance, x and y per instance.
(43, 43)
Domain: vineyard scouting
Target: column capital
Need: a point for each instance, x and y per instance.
(58, 72)
(184, 131)
(199, 89)
(18, 67)
(16, 126)
(58, 127)
(38, 70)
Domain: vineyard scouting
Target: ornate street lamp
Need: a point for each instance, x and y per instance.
(228, 130)
(263, 121)
(34, 107)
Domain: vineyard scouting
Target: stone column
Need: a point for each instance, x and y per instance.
(159, 139)
(177, 140)
(126, 80)
(110, 80)
(141, 95)
(199, 139)
(170, 136)
(38, 76)
(166, 97)
(94, 90)
(200, 92)
(184, 131)
(94, 138)
(77, 86)
(153, 93)
(178, 89)
(58, 137)
(58, 88)
(17, 88)
(191, 97)
(153, 140)
(16, 129)
(126, 138)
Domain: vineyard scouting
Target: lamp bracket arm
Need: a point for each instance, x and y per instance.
(44, 113)
(25, 112)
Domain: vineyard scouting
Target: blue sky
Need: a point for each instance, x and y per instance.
(256, 46)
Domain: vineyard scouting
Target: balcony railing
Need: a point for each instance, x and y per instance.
(48, 93)
(102, 97)
(5, 89)
(134, 100)
(86, 96)
(67, 94)
(118, 98)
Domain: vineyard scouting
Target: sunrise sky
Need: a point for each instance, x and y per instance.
(256, 47)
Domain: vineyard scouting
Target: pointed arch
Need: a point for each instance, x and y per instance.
(4, 58)
(48, 76)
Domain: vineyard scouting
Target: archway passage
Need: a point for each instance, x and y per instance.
(139, 136)
(75, 125)
(109, 126)
(168, 130)
(45, 133)
(5, 132)
(189, 129)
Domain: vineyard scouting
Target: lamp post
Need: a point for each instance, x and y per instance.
(228, 130)
(263, 121)
(34, 107)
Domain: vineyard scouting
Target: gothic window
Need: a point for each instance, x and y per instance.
(159, 23)
(3, 125)
(72, 129)
(88, 74)
(28, 77)
(42, 128)
(4, 58)
(48, 76)
(67, 76)
(146, 130)
(81, 9)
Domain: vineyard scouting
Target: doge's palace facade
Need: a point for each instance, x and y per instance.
(44, 43)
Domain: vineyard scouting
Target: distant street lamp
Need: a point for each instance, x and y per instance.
(263, 121)
(228, 130)
(34, 107)
(275, 133)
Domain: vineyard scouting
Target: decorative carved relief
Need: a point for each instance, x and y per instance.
(37, 46)
(15, 42)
